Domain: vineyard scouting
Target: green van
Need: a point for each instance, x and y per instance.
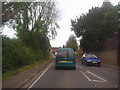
(65, 58)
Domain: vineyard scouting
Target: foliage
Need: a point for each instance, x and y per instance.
(38, 42)
(10, 9)
(95, 26)
(15, 55)
(34, 17)
(72, 43)
(35, 24)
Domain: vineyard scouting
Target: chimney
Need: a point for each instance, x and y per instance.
(106, 3)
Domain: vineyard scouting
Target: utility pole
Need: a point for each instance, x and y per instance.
(119, 14)
(119, 36)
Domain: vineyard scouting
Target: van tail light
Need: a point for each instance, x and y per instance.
(75, 61)
(56, 60)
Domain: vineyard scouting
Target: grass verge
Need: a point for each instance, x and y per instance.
(11, 73)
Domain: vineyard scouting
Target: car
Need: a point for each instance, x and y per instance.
(90, 59)
(65, 58)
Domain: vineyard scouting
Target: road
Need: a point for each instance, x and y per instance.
(82, 77)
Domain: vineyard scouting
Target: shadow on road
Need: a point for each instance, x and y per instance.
(64, 68)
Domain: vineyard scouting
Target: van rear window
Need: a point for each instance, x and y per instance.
(65, 54)
(62, 54)
(70, 54)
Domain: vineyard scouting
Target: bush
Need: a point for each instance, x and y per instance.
(15, 55)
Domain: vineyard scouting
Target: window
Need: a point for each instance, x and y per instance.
(62, 54)
(70, 54)
(66, 54)
(91, 56)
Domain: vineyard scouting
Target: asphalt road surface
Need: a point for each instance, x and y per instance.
(82, 77)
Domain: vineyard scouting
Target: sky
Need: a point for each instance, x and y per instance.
(68, 10)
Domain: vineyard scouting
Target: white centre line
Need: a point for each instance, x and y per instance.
(116, 86)
(79, 66)
(97, 76)
(86, 76)
(40, 76)
(97, 81)
(76, 66)
(95, 85)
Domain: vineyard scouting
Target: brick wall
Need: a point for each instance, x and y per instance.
(111, 43)
(109, 55)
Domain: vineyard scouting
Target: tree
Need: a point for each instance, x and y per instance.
(10, 9)
(95, 26)
(35, 24)
(72, 43)
(42, 16)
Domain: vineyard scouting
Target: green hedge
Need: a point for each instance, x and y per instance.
(15, 55)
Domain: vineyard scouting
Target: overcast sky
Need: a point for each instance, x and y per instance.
(69, 9)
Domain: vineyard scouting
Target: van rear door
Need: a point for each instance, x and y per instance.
(65, 56)
(71, 56)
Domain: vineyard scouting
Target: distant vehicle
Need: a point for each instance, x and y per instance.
(54, 54)
(90, 59)
(65, 58)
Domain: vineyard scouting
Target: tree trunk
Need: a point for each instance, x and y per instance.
(24, 26)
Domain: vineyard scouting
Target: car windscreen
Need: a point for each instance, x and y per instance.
(91, 56)
(65, 54)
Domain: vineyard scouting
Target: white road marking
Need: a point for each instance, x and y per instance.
(116, 86)
(101, 79)
(95, 85)
(97, 81)
(97, 76)
(79, 66)
(40, 76)
(86, 76)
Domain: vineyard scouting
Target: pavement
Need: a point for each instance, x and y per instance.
(24, 77)
(111, 66)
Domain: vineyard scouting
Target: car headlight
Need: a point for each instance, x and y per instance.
(88, 60)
